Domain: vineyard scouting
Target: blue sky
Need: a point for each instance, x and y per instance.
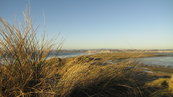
(91, 24)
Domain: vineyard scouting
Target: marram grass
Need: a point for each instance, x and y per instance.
(23, 66)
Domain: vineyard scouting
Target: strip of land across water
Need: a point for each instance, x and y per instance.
(105, 57)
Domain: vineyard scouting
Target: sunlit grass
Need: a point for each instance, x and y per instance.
(24, 69)
(171, 84)
(85, 80)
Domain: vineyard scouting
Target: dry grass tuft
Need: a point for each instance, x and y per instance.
(24, 69)
(171, 84)
(161, 82)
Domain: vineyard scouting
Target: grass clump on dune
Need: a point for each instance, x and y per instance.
(24, 70)
(87, 80)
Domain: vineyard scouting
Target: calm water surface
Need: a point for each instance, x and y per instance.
(162, 61)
